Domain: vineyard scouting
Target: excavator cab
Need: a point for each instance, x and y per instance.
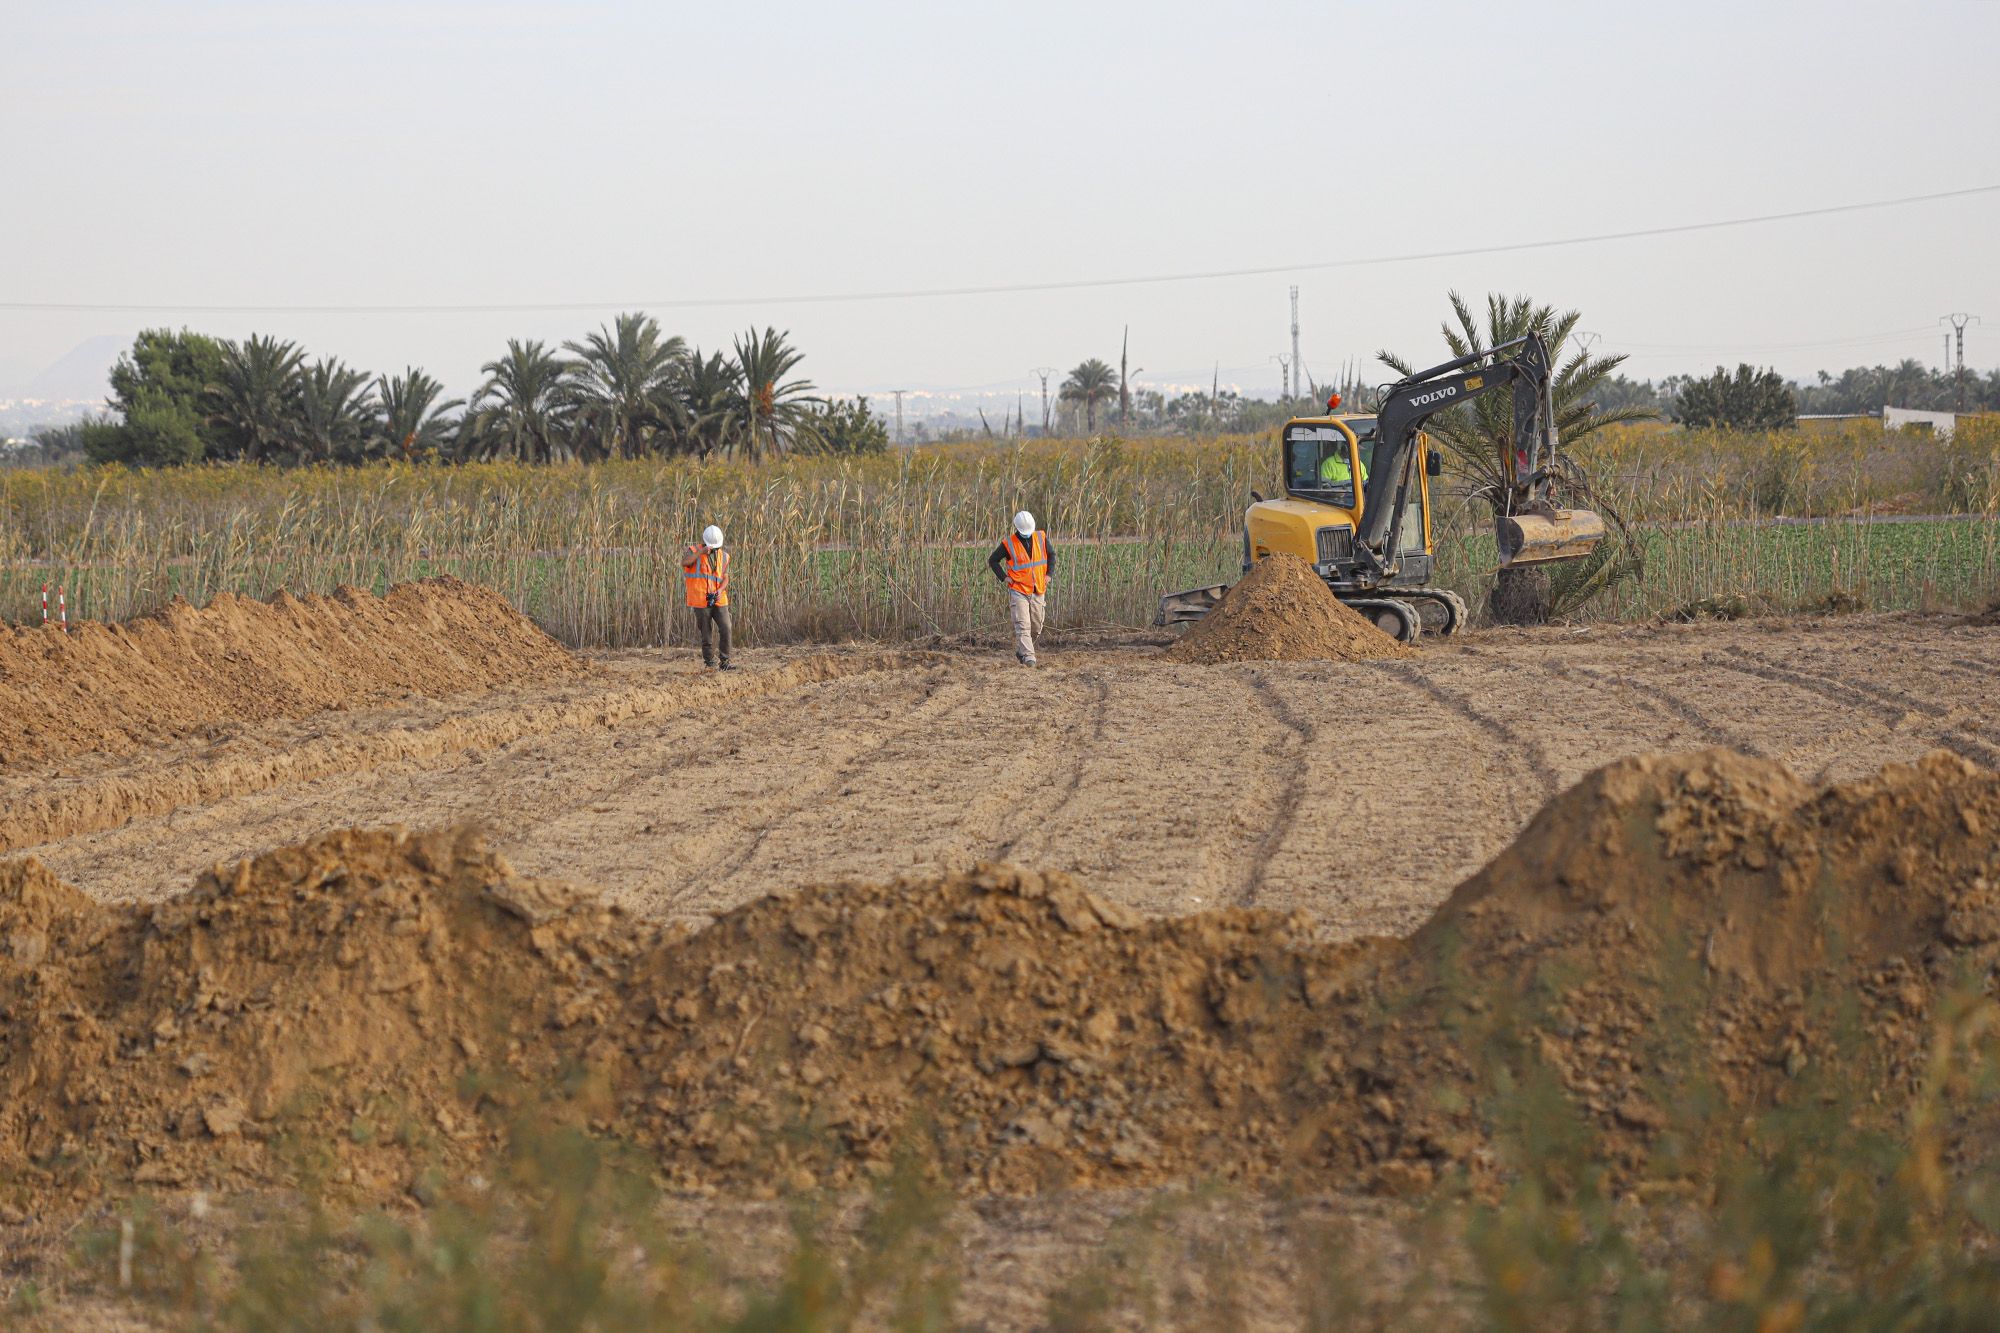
(1323, 459)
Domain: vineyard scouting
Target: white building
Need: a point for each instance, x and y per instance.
(1939, 424)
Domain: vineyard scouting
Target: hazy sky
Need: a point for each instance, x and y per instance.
(436, 153)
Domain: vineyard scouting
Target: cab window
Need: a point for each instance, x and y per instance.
(1317, 464)
(1364, 437)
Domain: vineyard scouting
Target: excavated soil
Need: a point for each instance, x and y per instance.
(1281, 612)
(311, 1014)
(374, 1009)
(118, 688)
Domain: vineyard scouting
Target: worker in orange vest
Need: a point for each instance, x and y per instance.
(705, 572)
(1023, 562)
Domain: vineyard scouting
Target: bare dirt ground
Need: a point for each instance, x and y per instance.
(1357, 792)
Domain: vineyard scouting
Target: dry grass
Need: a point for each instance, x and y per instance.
(889, 547)
(894, 547)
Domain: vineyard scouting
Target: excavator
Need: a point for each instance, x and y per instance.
(1357, 507)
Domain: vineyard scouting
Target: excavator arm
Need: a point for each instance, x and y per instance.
(1530, 529)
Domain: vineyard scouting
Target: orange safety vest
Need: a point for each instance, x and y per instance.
(702, 577)
(1028, 563)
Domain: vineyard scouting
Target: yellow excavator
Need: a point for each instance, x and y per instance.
(1357, 507)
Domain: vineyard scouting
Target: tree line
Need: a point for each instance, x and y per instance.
(624, 391)
(1749, 398)
(628, 391)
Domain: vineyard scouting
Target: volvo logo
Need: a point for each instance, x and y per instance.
(1424, 399)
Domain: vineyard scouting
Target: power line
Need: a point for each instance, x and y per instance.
(1004, 289)
(1858, 338)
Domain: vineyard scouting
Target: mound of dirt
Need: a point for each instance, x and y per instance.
(1282, 612)
(1670, 937)
(1679, 932)
(1029, 1035)
(312, 1012)
(181, 671)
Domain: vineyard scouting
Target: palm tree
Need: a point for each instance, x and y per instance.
(256, 397)
(1091, 383)
(336, 413)
(775, 413)
(709, 398)
(523, 409)
(413, 420)
(1477, 438)
(623, 381)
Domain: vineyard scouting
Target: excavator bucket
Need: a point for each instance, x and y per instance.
(1544, 535)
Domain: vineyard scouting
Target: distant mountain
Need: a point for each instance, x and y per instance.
(15, 372)
(82, 372)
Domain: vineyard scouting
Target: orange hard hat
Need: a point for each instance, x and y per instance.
(1332, 401)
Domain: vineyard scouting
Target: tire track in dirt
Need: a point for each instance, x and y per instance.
(1512, 739)
(1914, 678)
(41, 808)
(1397, 798)
(938, 795)
(1170, 793)
(940, 694)
(1050, 809)
(1890, 707)
(1290, 752)
(1659, 697)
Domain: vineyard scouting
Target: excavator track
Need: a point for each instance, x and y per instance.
(1392, 615)
(1451, 611)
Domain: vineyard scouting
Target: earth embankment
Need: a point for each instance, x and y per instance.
(119, 688)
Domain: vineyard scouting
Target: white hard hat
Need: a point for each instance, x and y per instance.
(711, 537)
(1024, 523)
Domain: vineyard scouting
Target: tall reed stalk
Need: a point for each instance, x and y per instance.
(894, 546)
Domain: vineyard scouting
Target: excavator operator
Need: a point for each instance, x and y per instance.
(1334, 469)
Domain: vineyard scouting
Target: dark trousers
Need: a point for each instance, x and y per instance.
(714, 622)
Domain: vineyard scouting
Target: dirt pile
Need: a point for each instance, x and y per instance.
(312, 1012)
(1672, 933)
(1281, 612)
(1676, 933)
(182, 671)
(1669, 930)
(1028, 1034)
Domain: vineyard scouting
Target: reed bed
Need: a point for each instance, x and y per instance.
(894, 547)
(890, 547)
